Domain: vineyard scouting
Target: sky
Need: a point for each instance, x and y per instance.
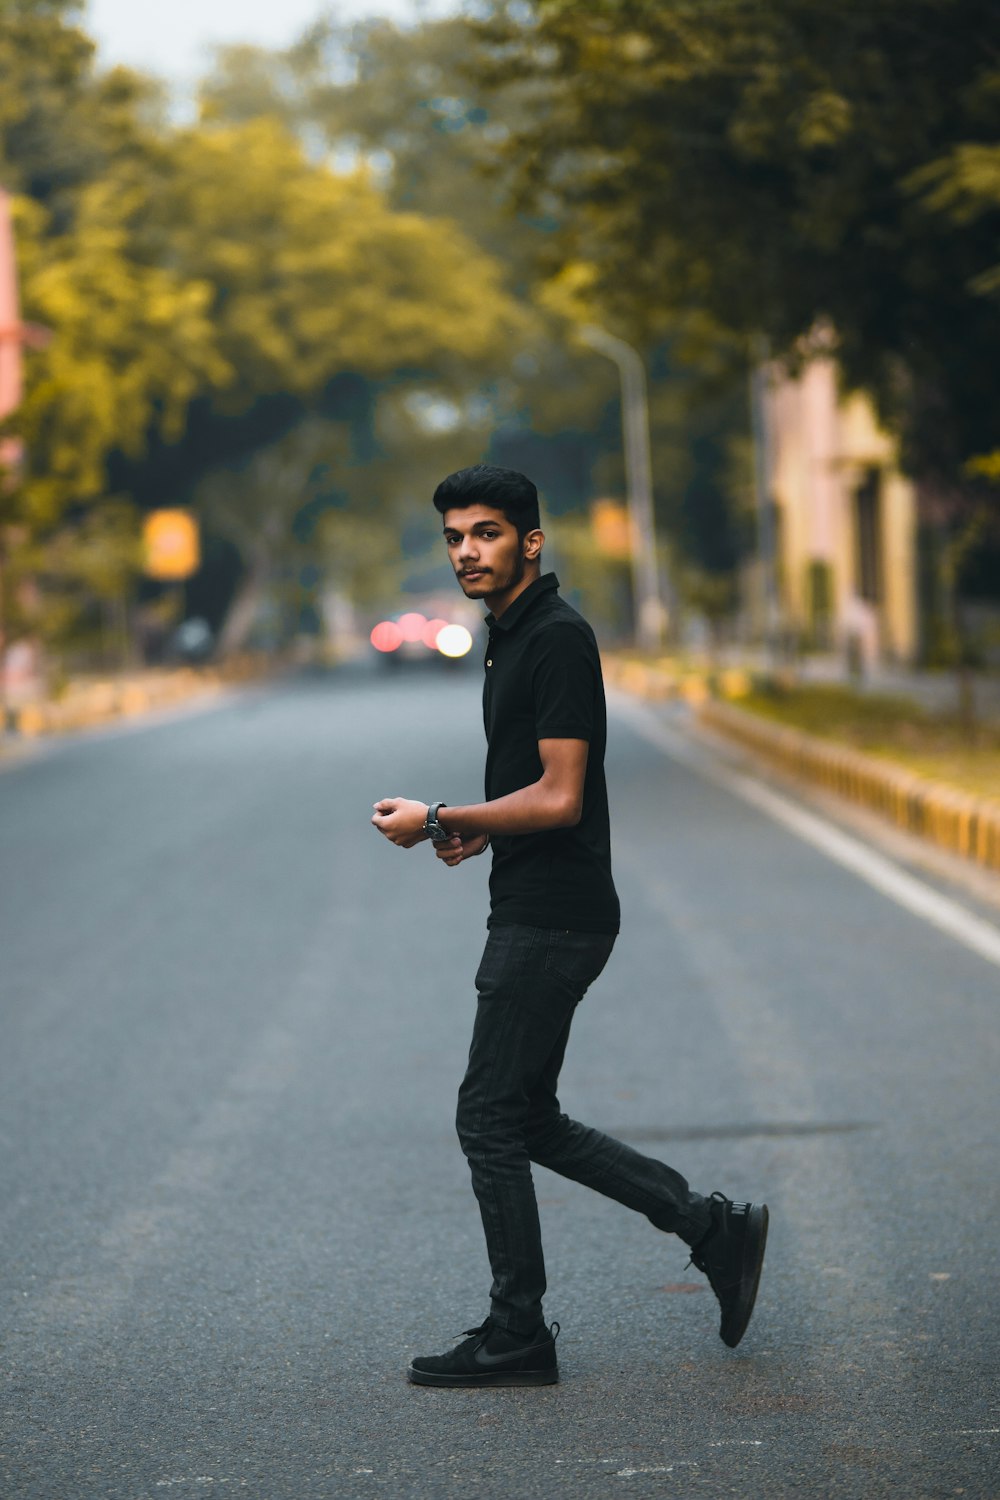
(172, 39)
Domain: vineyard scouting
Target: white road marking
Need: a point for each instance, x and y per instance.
(913, 895)
(200, 1479)
(655, 1468)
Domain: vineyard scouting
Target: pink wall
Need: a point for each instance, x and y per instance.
(10, 317)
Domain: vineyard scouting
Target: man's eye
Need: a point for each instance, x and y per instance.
(489, 536)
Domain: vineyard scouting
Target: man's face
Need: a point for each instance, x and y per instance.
(484, 549)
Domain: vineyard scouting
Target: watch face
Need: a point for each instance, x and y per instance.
(439, 835)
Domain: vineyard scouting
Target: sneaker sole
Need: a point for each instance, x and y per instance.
(753, 1263)
(489, 1377)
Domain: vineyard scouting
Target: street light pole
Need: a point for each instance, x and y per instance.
(763, 464)
(650, 612)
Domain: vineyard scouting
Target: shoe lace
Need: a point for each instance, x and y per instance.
(696, 1258)
(484, 1328)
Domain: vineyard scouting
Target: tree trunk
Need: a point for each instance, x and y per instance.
(242, 612)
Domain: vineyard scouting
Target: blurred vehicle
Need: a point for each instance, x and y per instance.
(442, 633)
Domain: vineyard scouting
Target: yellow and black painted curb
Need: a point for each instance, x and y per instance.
(87, 703)
(666, 679)
(955, 820)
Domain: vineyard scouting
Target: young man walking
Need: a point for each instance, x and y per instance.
(554, 916)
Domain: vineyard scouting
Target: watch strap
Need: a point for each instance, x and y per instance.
(431, 824)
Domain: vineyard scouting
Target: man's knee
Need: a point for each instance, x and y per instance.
(543, 1132)
(465, 1124)
(488, 1133)
(476, 1125)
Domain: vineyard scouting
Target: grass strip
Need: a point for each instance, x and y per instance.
(894, 729)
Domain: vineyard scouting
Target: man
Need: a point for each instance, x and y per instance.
(553, 920)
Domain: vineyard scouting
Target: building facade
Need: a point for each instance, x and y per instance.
(845, 528)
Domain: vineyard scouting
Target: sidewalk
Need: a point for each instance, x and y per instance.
(89, 701)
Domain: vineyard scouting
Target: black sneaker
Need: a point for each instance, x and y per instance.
(491, 1356)
(731, 1254)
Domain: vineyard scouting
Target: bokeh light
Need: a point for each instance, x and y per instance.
(412, 627)
(432, 630)
(454, 641)
(387, 636)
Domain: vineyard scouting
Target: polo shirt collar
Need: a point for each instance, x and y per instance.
(523, 602)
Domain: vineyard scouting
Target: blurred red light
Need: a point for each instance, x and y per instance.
(412, 626)
(430, 634)
(387, 636)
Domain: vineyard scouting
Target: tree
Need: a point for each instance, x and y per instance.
(207, 290)
(131, 345)
(127, 344)
(313, 273)
(777, 165)
(415, 106)
(322, 295)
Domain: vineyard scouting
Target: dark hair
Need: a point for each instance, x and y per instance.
(484, 484)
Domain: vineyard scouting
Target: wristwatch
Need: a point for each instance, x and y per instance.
(431, 825)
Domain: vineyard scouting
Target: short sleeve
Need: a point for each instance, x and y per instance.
(564, 680)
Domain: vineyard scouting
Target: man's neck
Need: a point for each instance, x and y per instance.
(500, 603)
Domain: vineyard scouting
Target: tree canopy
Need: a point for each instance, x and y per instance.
(779, 164)
(205, 289)
(418, 107)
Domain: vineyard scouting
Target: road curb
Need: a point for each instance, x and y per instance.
(660, 682)
(952, 819)
(942, 814)
(86, 704)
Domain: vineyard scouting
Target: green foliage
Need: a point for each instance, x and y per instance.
(941, 746)
(211, 294)
(130, 346)
(418, 107)
(780, 164)
(312, 272)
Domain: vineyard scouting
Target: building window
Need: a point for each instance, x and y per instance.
(868, 537)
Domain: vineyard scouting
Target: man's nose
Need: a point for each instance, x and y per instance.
(468, 550)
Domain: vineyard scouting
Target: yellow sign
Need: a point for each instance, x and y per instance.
(171, 544)
(611, 528)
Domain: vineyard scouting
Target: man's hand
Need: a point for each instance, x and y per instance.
(401, 820)
(458, 847)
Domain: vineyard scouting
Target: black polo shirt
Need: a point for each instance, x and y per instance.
(543, 681)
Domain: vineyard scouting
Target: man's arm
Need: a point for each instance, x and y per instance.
(555, 800)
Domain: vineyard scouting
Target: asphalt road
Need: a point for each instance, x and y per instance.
(231, 1199)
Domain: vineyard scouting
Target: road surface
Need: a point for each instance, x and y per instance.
(234, 1020)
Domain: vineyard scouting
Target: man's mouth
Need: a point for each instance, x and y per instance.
(474, 573)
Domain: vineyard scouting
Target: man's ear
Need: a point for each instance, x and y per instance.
(534, 541)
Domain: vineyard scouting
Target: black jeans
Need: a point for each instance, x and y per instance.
(530, 982)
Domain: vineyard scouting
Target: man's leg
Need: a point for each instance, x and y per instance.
(589, 1156)
(727, 1239)
(520, 1016)
(529, 983)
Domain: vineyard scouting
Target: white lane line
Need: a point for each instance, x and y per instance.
(940, 911)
